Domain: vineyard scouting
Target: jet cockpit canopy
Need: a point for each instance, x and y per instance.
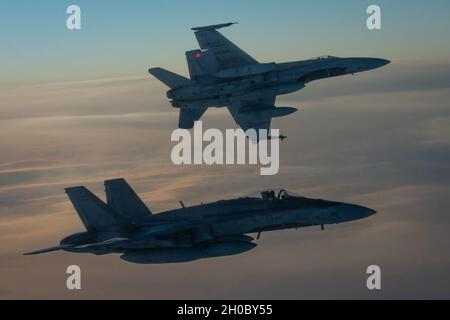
(325, 57)
(274, 194)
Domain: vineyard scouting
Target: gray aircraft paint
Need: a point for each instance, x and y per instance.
(190, 233)
(223, 75)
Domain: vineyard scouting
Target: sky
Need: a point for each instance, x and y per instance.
(37, 47)
(77, 107)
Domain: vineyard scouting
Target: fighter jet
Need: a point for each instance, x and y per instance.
(222, 74)
(125, 225)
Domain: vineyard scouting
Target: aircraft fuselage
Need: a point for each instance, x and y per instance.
(283, 78)
(226, 221)
(125, 225)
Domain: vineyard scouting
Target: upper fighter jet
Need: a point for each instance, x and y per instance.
(125, 225)
(221, 74)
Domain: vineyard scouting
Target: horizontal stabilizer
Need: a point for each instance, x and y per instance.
(125, 201)
(170, 79)
(188, 116)
(46, 250)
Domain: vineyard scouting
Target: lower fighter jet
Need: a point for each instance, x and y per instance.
(223, 75)
(125, 225)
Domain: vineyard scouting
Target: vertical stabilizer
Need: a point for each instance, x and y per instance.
(201, 64)
(125, 201)
(93, 212)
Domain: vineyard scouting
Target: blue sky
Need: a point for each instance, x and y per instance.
(121, 38)
(379, 139)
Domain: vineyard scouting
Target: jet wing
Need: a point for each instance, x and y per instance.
(227, 54)
(256, 114)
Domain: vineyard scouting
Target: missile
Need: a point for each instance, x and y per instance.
(280, 137)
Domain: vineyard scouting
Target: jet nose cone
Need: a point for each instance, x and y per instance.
(371, 212)
(372, 63)
(378, 63)
(350, 212)
(384, 62)
(363, 211)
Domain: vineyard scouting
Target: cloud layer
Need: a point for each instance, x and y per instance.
(379, 139)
